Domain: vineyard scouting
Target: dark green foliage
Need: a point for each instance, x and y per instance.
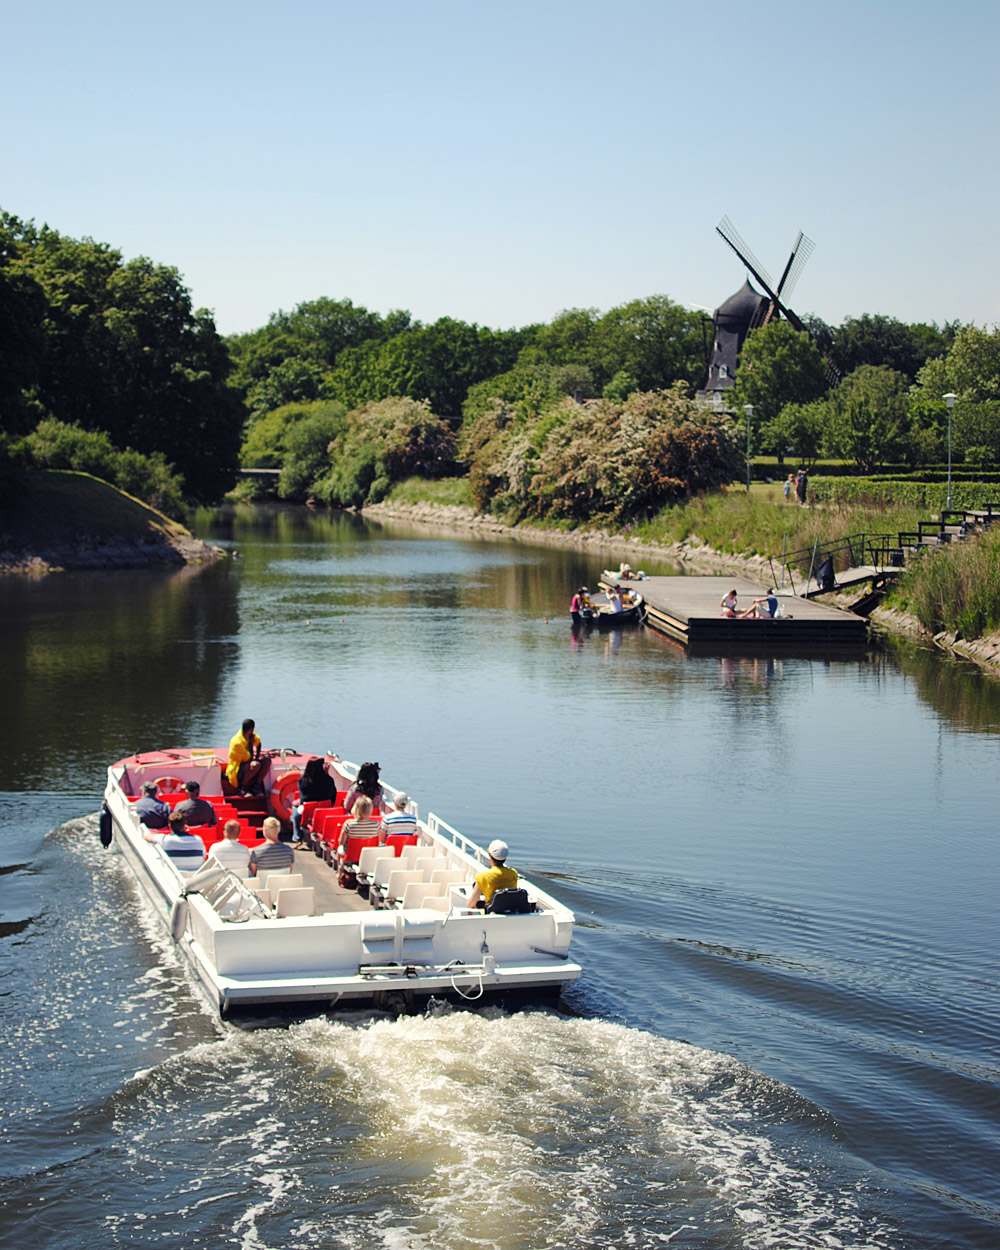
(57, 445)
(778, 366)
(121, 350)
(437, 363)
(879, 340)
(867, 416)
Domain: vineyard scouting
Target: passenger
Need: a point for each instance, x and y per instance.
(230, 852)
(186, 850)
(367, 784)
(245, 764)
(360, 825)
(315, 786)
(273, 856)
(153, 812)
(615, 599)
(576, 605)
(196, 810)
(399, 820)
(497, 877)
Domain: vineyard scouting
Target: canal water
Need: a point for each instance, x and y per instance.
(784, 873)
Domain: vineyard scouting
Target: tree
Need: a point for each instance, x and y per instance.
(868, 416)
(778, 365)
(878, 340)
(123, 351)
(971, 369)
(801, 429)
(653, 340)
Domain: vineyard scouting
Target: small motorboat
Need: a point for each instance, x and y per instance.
(601, 614)
(309, 935)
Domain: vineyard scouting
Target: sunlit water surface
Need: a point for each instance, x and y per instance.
(784, 873)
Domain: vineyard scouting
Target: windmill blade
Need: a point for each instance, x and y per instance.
(732, 237)
(801, 252)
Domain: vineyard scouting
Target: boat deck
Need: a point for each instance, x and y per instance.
(330, 896)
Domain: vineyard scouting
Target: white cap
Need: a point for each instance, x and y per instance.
(497, 849)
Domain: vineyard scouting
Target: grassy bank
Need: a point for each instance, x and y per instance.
(955, 588)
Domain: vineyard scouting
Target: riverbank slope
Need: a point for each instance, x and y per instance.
(57, 520)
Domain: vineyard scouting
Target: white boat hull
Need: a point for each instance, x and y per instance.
(343, 957)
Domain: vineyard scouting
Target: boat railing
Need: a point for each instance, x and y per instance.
(441, 829)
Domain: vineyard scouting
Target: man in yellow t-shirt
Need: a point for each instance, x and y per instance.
(245, 765)
(497, 877)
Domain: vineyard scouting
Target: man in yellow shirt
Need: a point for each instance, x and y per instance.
(245, 765)
(497, 877)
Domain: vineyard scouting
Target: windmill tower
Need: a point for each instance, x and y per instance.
(748, 309)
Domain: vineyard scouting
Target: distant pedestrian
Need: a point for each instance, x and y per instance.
(789, 484)
(801, 484)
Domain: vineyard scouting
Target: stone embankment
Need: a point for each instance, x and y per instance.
(694, 556)
(86, 552)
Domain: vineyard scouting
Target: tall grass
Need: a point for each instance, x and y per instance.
(760, 524)
(955, 588)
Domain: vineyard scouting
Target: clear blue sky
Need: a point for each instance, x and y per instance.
(497, 162)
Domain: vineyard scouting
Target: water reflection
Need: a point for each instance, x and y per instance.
(957, 690)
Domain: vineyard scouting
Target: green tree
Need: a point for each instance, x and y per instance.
(123, 351)
(878, 340)
(778, 366)
(801, 430)
(868, 416)
(653, 340)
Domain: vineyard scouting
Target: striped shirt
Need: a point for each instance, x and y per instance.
(399, 822)
(272, 856)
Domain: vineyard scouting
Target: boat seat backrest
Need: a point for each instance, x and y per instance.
(398, 880)
(371, 855)
(398, 840)
(449, 876)
(300, 901)
(382, 869)
(275, 881)
(408, 855)
(416, 893)
(262, 893)
(437, 902)
(355, 845)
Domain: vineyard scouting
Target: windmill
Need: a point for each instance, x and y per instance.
(748, 309)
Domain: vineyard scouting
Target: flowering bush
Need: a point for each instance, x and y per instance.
(618, 459)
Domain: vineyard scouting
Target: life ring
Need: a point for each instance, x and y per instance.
(284, 794)
(169, 785)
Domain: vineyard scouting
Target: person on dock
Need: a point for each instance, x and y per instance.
(728, 604)
(186, 850)
(194, 809)
(152, 811)
(245, 766)
(230, 852)
(399, 820)
(497, 877)
(765, 608)
(273, 856)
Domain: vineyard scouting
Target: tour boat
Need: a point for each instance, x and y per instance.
(397, 932)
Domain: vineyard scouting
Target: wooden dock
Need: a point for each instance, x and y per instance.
(687, 610)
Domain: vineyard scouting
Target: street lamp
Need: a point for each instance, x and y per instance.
(748, 409)
(949, 399)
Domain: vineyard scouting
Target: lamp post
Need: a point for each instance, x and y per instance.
(748, 409)
(949, 399)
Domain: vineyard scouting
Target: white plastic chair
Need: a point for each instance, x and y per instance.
(296, 901)
(416, 893)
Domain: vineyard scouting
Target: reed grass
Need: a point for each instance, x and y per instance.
(955, 588)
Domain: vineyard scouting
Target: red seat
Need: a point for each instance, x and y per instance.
(356, 844)
(328, 824)
(398, 840)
